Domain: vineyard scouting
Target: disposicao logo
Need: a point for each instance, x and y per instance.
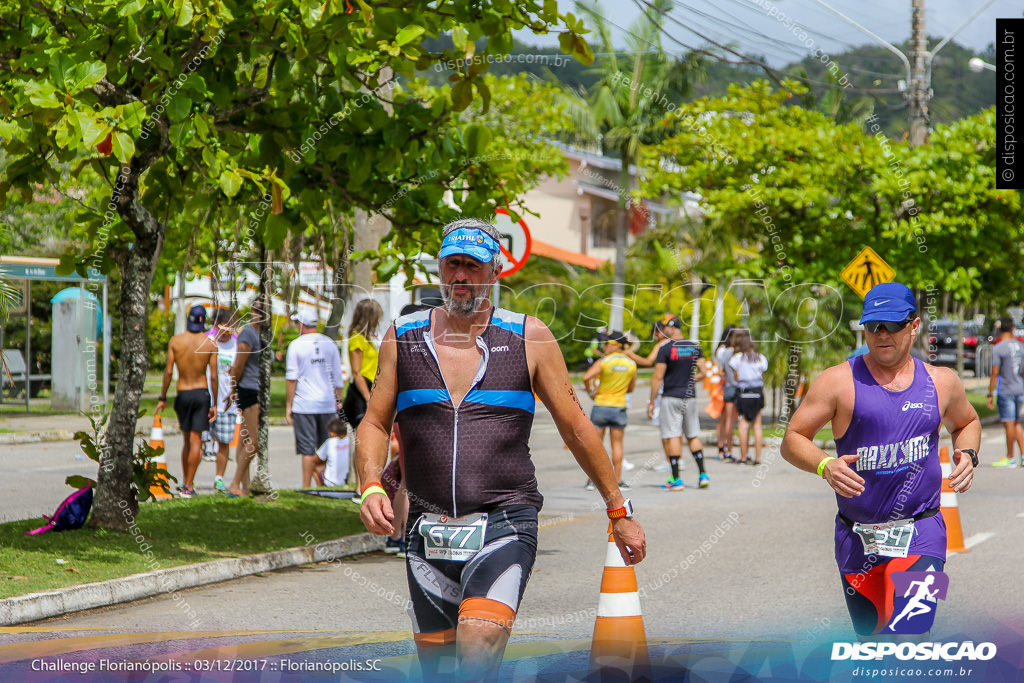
(947, 652)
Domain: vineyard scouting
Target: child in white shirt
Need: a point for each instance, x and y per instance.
(333, 454)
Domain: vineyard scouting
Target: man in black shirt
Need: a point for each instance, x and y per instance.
(680, 363)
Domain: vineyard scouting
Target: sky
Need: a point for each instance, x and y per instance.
(757, 26)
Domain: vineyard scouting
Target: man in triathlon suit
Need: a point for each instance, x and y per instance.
(885, 408)
(194, 353)
(461, 378)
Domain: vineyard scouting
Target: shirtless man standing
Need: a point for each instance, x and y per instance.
(192, 352)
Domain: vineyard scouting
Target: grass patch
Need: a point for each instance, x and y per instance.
(978, 401)
(779, 432)
(179, 531)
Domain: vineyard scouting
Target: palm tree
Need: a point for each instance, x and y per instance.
(625, 109)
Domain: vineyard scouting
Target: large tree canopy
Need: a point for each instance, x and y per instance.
(276, 113)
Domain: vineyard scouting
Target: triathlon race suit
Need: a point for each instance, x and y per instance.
(896, 436)
(459, 463)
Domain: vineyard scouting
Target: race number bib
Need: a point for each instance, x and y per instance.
(888, 539)
(452, 538)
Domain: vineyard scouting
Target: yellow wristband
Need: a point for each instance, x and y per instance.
(821, 466)
(373, 488)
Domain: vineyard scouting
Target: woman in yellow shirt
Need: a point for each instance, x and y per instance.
(616, 373)
(363, 345)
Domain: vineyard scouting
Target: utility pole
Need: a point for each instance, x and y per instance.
(920, 90)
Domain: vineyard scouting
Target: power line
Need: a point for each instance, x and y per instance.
(771, 71)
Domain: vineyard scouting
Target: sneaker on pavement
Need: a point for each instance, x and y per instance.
(589, 486)
(1005, 462)
(210, 457)
(185, 492)
(401, 550)
(627, 465)
(218, 485)
(704, 481)
(673, 485)
(392, 547)
(623, 486)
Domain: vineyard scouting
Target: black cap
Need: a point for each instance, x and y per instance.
(615, 336)
(674, 322)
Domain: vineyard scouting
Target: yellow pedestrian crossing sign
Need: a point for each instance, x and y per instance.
(866, 270)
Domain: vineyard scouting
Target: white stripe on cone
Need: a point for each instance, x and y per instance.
(948, 500)
(613, 558)
(947, 468)
(618, 605)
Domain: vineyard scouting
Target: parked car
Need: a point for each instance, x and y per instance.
(942, 342)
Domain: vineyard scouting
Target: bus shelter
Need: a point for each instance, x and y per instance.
(73, 368)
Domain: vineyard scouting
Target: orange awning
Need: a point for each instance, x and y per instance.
(551, 251)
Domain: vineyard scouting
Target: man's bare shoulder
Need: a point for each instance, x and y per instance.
(946, 378)
(534, 330)
(833, 380)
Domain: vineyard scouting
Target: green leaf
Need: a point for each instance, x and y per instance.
(77, 481)
(124, 146)
(182, 13)
(409, 34)
(42, 94)
(66, 267)
(275, 230)
(462, 95)
(93, 131)
(179, 107)
(387, 269)
(230, 183)
(477, 139)
(83, 76)
(132, 115)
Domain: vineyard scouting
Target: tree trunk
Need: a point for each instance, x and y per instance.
(114, 493)
(616, 314)
(340, 266)
(261, 482)
(793, 363)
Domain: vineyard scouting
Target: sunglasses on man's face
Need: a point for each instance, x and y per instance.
(873, 326)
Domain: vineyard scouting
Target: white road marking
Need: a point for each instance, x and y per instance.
(1020, 514)
(978, 538)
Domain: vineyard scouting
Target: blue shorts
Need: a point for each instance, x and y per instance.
(609, 416)
(1009, 407)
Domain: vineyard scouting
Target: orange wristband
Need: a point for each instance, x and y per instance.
(372, 483)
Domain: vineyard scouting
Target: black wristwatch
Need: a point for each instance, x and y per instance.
(973, 453)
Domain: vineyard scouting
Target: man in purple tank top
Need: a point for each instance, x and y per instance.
(885, 408)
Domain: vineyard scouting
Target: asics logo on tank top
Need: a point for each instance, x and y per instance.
(889, 455)
(908, 405)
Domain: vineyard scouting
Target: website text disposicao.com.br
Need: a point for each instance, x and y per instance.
(953, 659)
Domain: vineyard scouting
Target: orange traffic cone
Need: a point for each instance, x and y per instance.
(238, 431)
(619, 638)
(156, 440)
(949, 507)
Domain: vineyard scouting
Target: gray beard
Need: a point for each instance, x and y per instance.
(461, 309)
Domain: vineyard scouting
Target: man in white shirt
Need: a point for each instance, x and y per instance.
(314, 384)
(223, 427)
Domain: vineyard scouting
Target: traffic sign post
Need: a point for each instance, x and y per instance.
(515, 241)
(515, 246)
(866, 270)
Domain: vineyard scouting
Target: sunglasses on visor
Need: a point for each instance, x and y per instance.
(873, 326)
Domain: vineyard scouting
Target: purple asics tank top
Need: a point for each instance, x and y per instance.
(896, 435)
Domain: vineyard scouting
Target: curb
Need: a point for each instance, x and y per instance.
(53, 603)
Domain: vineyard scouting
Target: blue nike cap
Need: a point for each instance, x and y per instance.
(472, 242)
(888, 301)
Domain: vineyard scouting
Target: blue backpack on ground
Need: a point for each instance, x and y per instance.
(70, 514)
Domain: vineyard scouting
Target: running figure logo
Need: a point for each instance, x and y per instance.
(914, 599)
